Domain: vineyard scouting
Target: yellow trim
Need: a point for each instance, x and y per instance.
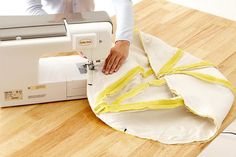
(153, 105)
(131, 93)
(134, 91)
(148, 73)
(119, 84)
(157, 82)
(202, 64)
(170, 64)
(208, 78)
(168, 67)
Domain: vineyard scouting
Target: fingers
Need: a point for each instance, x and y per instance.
(105, 63)
(114, 65)
(121, 61)
(116, 58)
(109, 64)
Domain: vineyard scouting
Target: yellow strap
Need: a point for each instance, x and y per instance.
(119, 84)
(198, 65)
(153, 105)
(131, 93)
(157, 82)
(148, 73)
(208, 78)
(134, 91)
(169, 65)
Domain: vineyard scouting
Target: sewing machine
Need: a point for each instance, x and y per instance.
(37, 56)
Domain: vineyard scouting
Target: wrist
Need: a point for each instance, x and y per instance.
(122, 42)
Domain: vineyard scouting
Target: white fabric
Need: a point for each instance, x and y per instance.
(123, 9)
(206, 104)
(222, 144)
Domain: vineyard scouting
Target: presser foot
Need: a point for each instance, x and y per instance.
(91, 67)
(92, 64)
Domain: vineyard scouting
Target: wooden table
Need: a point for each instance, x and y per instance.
(71, 129)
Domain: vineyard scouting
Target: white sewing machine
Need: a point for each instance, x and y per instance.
(29, 76)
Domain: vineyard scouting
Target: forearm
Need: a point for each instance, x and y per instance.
(34, 7)
(124, 18)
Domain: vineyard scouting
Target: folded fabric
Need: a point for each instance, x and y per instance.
(162, 93)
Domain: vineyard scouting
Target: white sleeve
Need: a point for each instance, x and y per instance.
(34, 7)
(124, 18)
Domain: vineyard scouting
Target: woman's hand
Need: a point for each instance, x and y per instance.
(117, 56)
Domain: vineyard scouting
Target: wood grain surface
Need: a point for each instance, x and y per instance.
(70, 129)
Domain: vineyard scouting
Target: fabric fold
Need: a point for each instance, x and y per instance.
(162, 93)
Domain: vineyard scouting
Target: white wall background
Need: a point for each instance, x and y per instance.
(223, 8)
(12, 7)
(17, 7)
